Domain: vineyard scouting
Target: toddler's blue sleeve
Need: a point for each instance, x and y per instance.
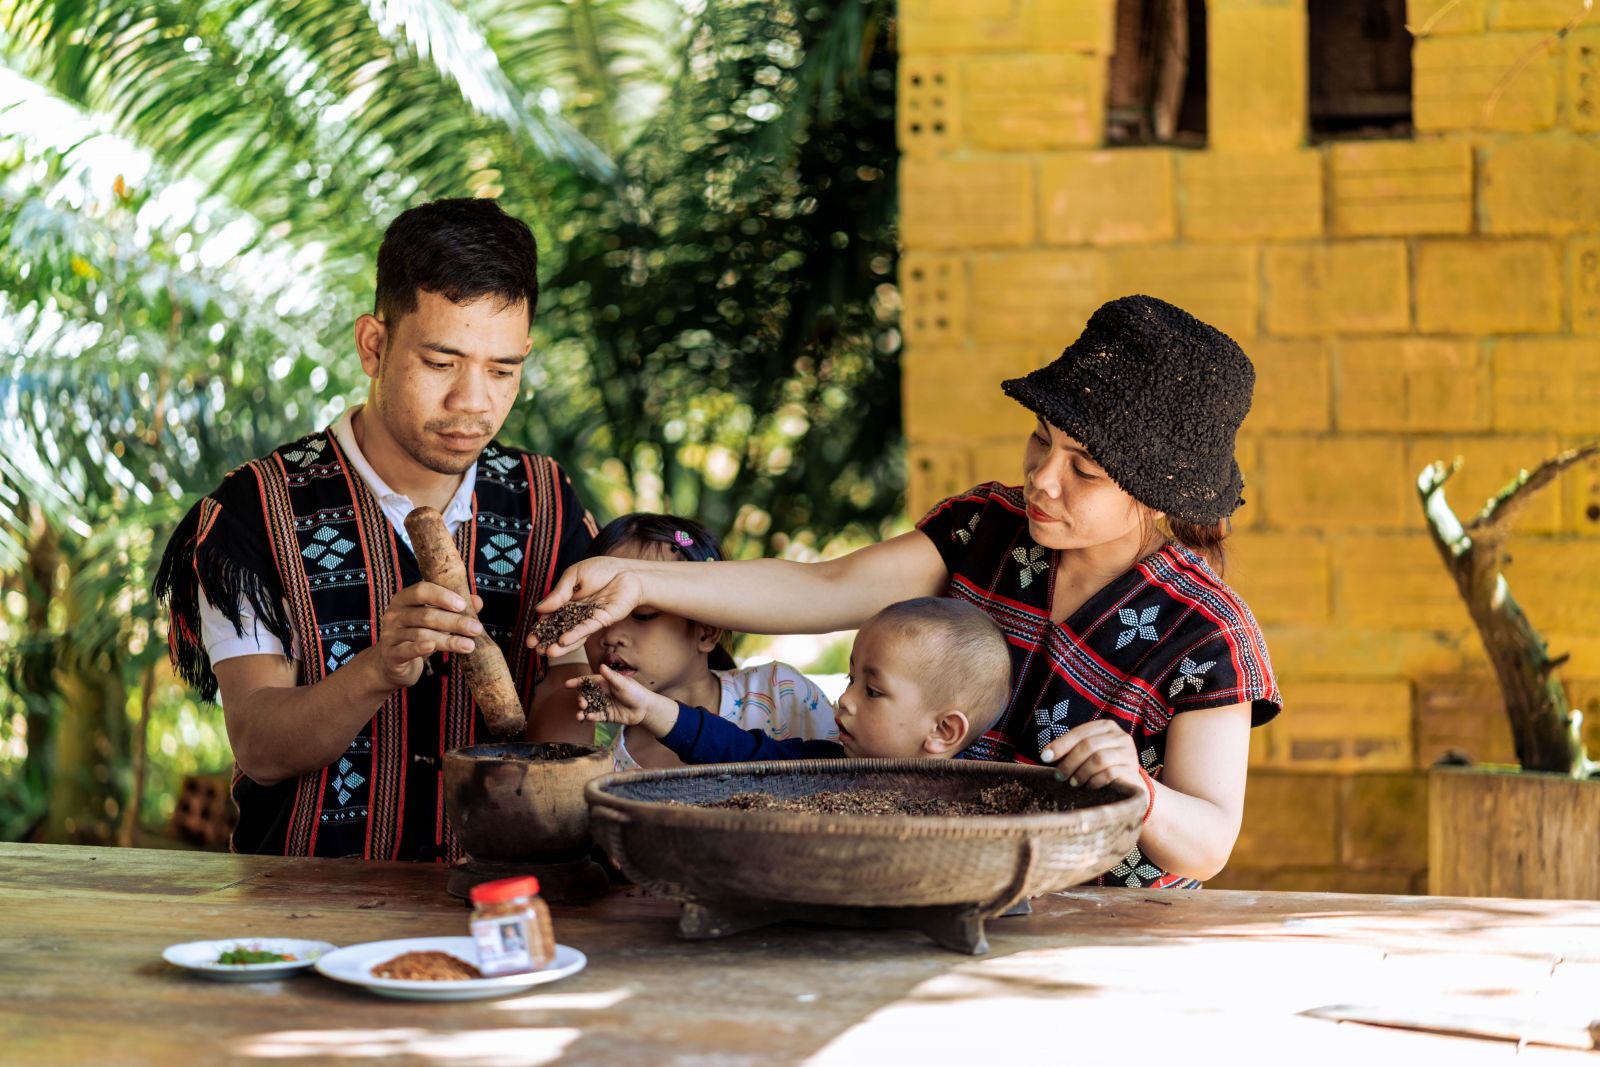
(701, 737)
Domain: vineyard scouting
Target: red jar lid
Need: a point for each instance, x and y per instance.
(505, 889)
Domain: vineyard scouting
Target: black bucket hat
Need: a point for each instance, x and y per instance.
(1156, 396)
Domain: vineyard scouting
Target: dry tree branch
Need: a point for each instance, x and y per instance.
(1527, 57)
(1543, 725)
(1441, 519)
(1503, 508)
(1433, 20)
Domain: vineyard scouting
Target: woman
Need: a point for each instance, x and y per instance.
(1132, 661)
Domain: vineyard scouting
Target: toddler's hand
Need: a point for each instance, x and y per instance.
(627, 702)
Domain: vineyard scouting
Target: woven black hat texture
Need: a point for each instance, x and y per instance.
(1156, 396)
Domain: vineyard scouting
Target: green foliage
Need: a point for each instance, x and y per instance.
(131, 378)
(713, 189)
(737, 327)
(314, 118)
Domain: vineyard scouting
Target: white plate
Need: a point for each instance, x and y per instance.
(354, 964)
(201, 957)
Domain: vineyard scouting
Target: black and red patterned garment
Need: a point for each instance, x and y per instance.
(300, 537)
(1164, 638)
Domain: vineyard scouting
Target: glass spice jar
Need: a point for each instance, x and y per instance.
(511, 925)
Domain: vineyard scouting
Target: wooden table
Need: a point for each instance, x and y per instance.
(1093, 976)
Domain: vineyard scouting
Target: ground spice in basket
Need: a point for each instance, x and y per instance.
(550, 628)
(1009, 798)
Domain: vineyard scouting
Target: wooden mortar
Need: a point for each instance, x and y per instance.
(520, 802)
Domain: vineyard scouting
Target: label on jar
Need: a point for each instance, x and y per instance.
(503, 944)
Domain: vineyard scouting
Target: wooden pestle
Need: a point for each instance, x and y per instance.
(485, 668)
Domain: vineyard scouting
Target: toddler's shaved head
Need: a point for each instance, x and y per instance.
(964, 660)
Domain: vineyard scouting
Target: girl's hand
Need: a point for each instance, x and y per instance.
(1095, 754)
(629, 703)
(606, 582)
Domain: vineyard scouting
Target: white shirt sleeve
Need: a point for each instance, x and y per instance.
(223, 643)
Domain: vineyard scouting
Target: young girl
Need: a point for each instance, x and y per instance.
(689, 661)
(1131, 660)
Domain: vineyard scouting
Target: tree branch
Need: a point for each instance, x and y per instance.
(1447, 532)
(1502, 509)
(1543, 727)
(1527, 57)
(1427, 27)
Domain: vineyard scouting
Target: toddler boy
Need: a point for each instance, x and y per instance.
(927, 678)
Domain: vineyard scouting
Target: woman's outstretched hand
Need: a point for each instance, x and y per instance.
(605, 582)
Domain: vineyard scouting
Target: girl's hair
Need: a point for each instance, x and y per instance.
(686, 539)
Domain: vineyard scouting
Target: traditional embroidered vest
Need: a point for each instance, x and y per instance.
(300, 530)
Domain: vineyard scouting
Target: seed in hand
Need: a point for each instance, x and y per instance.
(595, 701)
(552, 626)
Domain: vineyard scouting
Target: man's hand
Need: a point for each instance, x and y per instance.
(422, 619)
(606, 582)
(628, 703)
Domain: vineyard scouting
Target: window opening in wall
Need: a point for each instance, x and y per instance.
(1360, 69)
(1156, 90)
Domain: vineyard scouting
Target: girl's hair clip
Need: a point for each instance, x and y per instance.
(682, 539)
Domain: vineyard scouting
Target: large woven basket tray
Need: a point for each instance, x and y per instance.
(719, 856)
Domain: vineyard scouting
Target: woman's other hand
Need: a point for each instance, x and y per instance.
(1095, 754)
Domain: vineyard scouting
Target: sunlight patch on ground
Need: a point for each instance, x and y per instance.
(1246, 993)
(523, 1047)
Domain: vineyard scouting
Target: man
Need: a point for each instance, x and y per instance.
(293, 590)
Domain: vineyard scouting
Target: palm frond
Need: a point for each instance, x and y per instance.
(444, 34)
(130, 371)
(308, 116)
(608, 62)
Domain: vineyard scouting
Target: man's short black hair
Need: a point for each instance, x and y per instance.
(464, 250)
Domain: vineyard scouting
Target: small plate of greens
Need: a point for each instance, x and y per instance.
(246, 959)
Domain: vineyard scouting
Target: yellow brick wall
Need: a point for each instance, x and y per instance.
(1404, 301)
